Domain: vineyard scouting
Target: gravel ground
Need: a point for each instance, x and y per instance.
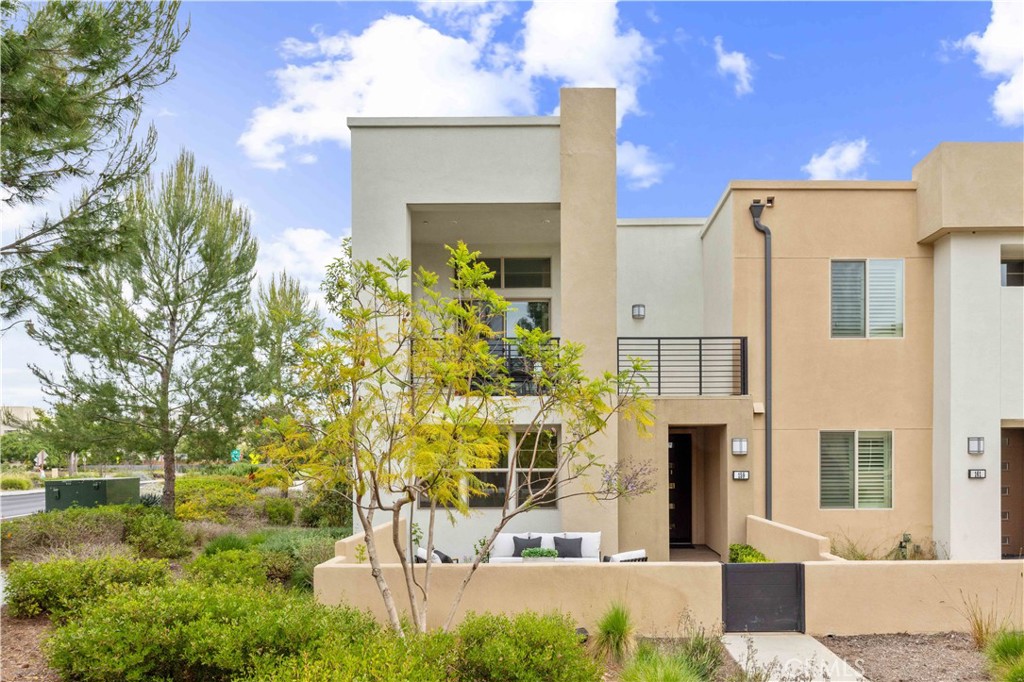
(20, 657)
(946, 657)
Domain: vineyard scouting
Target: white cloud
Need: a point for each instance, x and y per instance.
(735, 64)
(582, 45)
(639, 166)
(306, 158)
(841, 161)
(999, 51)
(399, 66)
(303, 252)
(402, 66)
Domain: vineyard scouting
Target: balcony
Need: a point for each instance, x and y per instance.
(688, 366)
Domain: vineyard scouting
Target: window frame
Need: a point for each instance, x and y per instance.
(856, 470)
(514, 435)
(498, 281)
(867, 299)
(1004, 273)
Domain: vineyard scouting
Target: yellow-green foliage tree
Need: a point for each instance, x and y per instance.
(408, 398)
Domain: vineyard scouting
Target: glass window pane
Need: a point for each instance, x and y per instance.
(874, 469)
(527, 272)
(534, 483)
(1012, 273)
(494, 265)
(836, 473)
(885, 298)
(529, 315)
(847, 299)
(546, 446)
(493, 497)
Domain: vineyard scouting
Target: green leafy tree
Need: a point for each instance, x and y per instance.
(287, 322)
(409, 398)
(75, 78)
(160, 340)
(20, 447)
(79, 427)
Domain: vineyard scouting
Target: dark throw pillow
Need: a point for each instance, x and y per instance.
(569, 548)
(523, 543)
(445, 559)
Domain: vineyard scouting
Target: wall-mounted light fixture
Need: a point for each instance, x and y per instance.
(741, 475)
(976, 473)
(975, 445)
(639, 311)
(739, 446)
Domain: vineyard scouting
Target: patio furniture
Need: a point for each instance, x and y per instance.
(636, 555)
(586, 550)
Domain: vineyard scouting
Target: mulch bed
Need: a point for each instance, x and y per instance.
(945, 657)
(21, 659)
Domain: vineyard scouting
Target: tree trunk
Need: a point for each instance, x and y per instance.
(168, 496)
(378, 574)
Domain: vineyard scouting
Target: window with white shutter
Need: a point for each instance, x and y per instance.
(867, 298)
(855, 470)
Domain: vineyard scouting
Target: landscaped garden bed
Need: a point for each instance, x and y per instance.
(946, 657)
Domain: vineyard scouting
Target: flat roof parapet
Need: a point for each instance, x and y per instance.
(452, 122)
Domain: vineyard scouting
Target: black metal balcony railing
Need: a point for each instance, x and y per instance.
(680, 366)
(520, 371)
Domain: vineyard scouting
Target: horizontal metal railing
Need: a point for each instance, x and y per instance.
(519, 370)
(700, 365)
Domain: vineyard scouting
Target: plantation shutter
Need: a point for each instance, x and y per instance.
(874, 469)
(885, 298)
(847, 298)
(837, 470)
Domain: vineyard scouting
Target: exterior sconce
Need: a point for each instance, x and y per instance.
(741, 475)
(975, 445)
(639, 311)
(739, 446)
(976, 473)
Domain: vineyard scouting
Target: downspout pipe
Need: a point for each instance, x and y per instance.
(756, 208)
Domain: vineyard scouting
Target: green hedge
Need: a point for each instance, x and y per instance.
(189, 631)
(745, 554)
(233, 566)
(63, 587)
(8, 482)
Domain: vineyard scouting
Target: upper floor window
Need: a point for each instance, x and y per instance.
(520, 273)
(867, 298)
(1012, 272)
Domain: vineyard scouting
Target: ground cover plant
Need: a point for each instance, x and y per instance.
(616, 634)
(215, 498)
(287, 555)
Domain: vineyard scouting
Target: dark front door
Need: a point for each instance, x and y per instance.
(1011, 489)
(680, 489)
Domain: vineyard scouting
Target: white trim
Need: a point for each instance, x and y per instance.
(867, 308)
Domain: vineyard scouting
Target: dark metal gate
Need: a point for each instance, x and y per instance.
(763, 597)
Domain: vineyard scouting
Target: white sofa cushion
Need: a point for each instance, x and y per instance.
(629, 556)
(504, 547)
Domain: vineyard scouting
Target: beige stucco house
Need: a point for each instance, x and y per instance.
(896, 401)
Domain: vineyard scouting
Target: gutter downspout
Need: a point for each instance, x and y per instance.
(756, 208)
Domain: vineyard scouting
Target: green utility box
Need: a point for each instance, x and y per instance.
(91, 492)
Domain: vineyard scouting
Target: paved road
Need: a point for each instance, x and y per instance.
(22, 503)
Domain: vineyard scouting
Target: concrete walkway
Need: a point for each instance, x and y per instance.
(790, 655)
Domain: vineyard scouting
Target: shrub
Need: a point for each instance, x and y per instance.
(651, 665)
(279, 566)
(616, 634)
(232, 566)
(155, 534)
(539, 553)
(214, 498)
(304, 548)
(745, 554)
(329, 509)
(378, 657)
(60, 588)
(8, 482)
(528, 646)
(30, 536)
(1004, 651)
(190, 631)
(225, 543)
(279, 512)
(151, 499)
(703, 651)
(307, 556)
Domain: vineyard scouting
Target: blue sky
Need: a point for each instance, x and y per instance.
(708, 92)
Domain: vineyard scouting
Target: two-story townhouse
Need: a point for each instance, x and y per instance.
(895, 320)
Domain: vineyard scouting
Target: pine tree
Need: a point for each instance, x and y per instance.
(161, 337)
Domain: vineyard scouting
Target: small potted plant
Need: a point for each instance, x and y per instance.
(539, 554)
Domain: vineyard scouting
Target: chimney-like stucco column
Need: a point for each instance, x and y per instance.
(588, 277)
